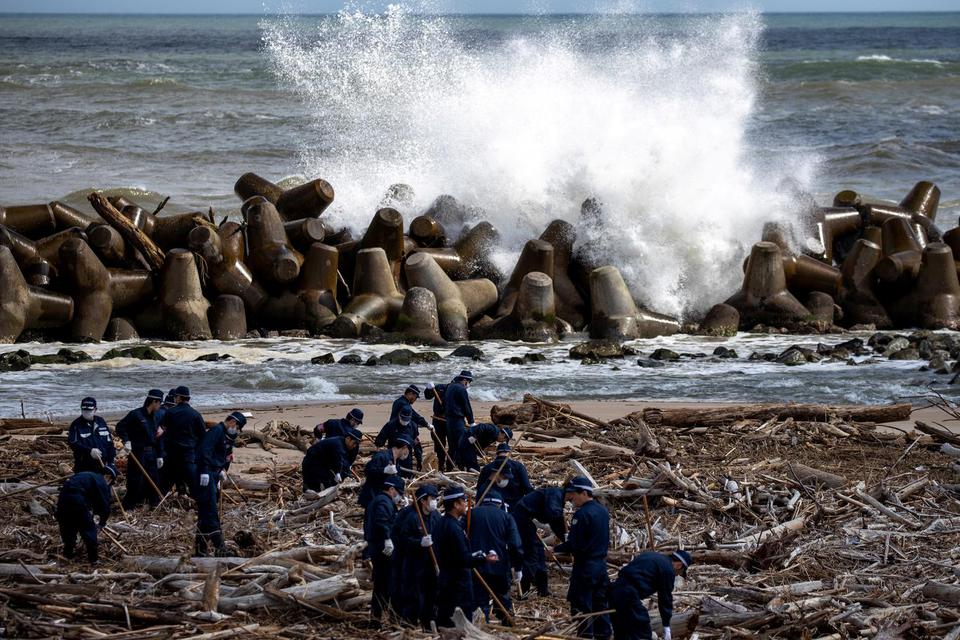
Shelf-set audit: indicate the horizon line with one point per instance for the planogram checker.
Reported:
(478, 15)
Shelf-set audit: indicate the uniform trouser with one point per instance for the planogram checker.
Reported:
(208, 515)
(588, 594)
(382, 577)
(138, 487)
(74, 517)
(500, 585)
(324, 479)
(453, 591)
(468, 454)
(534, 559)
(455, 430)
(180, 469)
(439, 435)
(85, 463)
(630, 620)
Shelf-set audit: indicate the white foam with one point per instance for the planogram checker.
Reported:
(877, 57)
(529, 127)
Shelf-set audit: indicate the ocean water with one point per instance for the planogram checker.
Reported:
(685, 126)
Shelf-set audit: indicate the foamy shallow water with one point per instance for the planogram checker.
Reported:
(279, 371)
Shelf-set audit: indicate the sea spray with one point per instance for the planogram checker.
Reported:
(651, 119)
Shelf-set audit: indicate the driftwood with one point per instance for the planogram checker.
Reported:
(810, 476)
(140, 241)
(319, 591)
(689, 417)
(937, 432)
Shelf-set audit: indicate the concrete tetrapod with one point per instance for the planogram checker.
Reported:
(228, 318)
(419, 320)
(269, 253)
(308, 200)
(36, 269)
(901, 259)
(386, 231)
(67, 217)
(934, 301)
(474, 248)
(25, 307)
(304, 232)
(168, 232)
(537, 255)
(120, 329)
(857, 298)
(182, 305)
(923, 200)
(764, 298)
(721, 320)
(312, 304)
(376, 300)
(457, 302)
(109, 245)
(428, 232)
(614, 314)
(570, 305)
(831, 223)
(223, 252)
(31, 220)
(534, 316)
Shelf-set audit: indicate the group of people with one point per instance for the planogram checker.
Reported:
(168, 447)
(431, 551)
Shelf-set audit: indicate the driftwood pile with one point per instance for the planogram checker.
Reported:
(816, 524)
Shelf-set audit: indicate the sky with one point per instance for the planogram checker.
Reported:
(470, 6)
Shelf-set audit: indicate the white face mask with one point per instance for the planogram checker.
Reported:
(396, 499)
(432, 505)
(404, 422)
(87, 414)
(502, 483)
(232, 431)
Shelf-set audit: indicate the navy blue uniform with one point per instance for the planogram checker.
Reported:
(414, 576)
(82, 496)
(647, 574)
(493, 529)
(486, 434)
(402, 402)
(183, 428)
(324, 460)
(588, 542)
(439, 433)
(213, 457)
(393, 429)
(84, 436)
(339, 428)
(458, 414)
(455, 582)
(544, 505)
(374, 475)
(377, 523)
(140, 429)
(517, 486)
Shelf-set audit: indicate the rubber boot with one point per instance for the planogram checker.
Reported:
(200, 548)
(525, 584)
(219, 549)
(93, 553)
(541, 581)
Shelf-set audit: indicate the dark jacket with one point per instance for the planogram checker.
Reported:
(325, 457)
(518, 486)
(546, 506)
(183, 427)
(91, 490)
(393, 429)
(588, 541)
(453, 553)
(400, 403)
(374, 475)
(438, 393)
(140, 430)
(337, 428)
(84, 436)
(214, 449)
(456, 404)
(407, 531)
(485, 433)
(377, 523)
(493, 529)
(651, 573)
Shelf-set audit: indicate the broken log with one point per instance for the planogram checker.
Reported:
(688, 418)
(140, 241)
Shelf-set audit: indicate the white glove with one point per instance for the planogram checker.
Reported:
(390, 469)
(429, 386)
(159, 463)
(204, 479)
(96, 454)
(388, 548)
(426, 541)
(337, 478)
(431, 428)
(127, 447)
(492, 556)
(223, 474)
(405, 502)
(666, 633)
(472, 440)
(517, 576)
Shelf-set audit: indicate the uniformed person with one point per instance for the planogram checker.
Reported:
(588, 542)
(378, 519)
(457, 412)
(183, 428)
(456, 560)
(403, 424)
(647, 574)
(384, 463)
(327, 461)
(474, 440)
(415, 577)
(438, 432)
(542, 505)
(83, 496)
(90, 440)
(213, 459)
(493, 530)
(339, 427)
(138, 432)
(512, 481)
(169, 402)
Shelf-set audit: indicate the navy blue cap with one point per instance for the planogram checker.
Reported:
(427, 490)
(406, 411)
(453, 492)
(110, 470)
(171, 397)
(578, 483)
(239, 417)
(504, 448)
(465, 375)
(356, 414)
(155, 394)
(508, 432)
(401, 441)
(393, 481)
(355, 434)
(88, 403)
(684, 558)
(413, 389)
(182, 392)
(493, 496)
